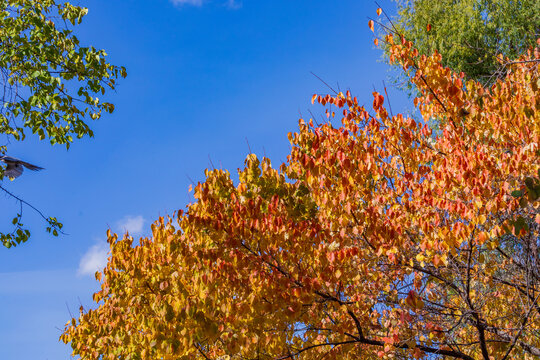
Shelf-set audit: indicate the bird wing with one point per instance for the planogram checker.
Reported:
(9, 159)
(15, 168)
(14, 161)
(30, 166)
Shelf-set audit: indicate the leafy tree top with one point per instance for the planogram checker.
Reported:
(50, 83)
(377, 239)
(469, 34)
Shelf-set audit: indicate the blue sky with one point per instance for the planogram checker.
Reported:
(202, 77)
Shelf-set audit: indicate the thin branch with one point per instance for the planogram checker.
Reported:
(521, 62)
(516, 337)
(249, 147)
(201, 352)
(324, 82)
(32, 207)
(293, 355)
(388, 98)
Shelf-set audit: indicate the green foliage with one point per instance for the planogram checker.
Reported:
(470, 33)
(50, 83)
(17, 236)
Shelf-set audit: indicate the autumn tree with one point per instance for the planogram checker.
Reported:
(469, 34)
(50, 83)
(379, 238)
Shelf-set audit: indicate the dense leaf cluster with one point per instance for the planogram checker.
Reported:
(49, 83)
(469, 34)
(377, 239)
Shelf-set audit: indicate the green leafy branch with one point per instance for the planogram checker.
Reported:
(20, 234)
(50, 83)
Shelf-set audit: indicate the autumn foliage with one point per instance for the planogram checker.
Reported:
(381, 238)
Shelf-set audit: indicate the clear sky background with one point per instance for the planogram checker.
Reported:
(202, 77)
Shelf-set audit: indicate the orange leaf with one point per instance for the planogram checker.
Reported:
(379, 11)
(428, 27)
(376, 42)
(370, 24)
(482, 237)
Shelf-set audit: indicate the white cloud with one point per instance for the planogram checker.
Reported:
(234, 4)
(94, 259)
(131, 224)
(231, 4)
(187, 2)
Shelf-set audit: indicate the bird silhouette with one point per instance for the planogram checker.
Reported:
(15, 166)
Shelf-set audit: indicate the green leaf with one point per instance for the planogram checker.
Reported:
(517, 193)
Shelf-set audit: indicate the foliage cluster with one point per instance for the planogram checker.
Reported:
(378, 238)
(469, 34)
(49, 82)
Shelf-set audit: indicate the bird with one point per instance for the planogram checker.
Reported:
(14, 166)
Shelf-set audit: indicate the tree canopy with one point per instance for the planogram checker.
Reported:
(469, 34)
(50, 83)
(380, 237)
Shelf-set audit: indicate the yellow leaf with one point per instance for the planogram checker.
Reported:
(481, 219)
